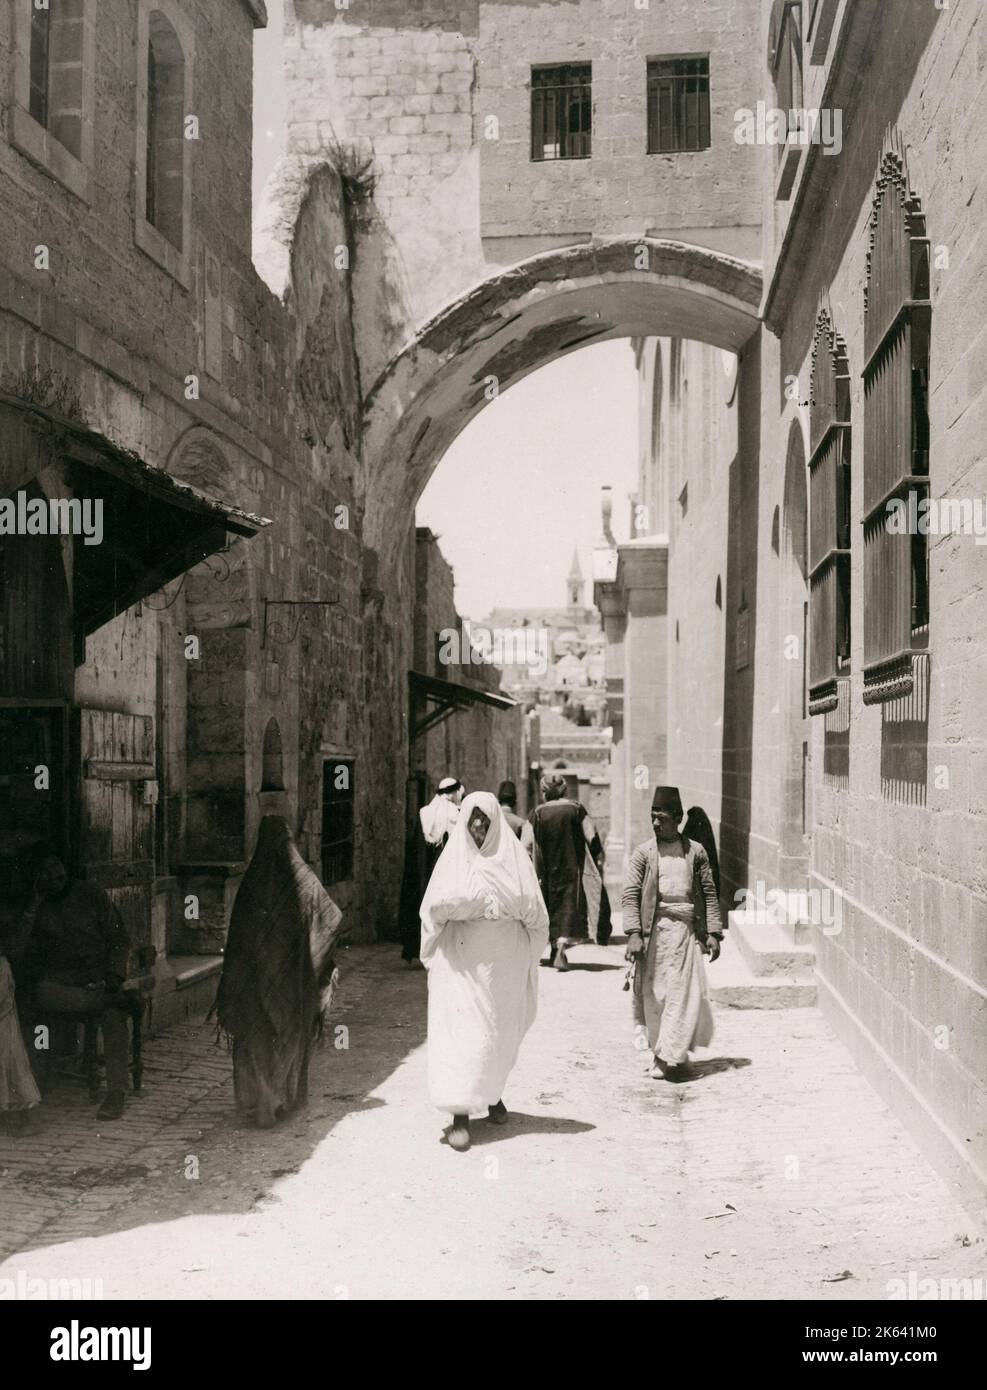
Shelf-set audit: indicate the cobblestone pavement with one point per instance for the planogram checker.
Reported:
(773, 1172)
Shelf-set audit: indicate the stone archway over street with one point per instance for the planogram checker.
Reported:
(522, 319)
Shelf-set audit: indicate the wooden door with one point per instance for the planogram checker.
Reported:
(116, 817)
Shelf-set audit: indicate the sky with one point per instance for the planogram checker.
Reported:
(520, 488)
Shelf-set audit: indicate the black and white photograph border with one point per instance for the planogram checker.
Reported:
(493, 736)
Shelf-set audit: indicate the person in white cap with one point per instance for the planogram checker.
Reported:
(435, 824)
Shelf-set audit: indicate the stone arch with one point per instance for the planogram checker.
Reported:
(523, 319)
(197, 458)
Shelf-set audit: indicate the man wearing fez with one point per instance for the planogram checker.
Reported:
(672, 918)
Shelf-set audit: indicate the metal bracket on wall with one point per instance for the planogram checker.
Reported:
(282, 634)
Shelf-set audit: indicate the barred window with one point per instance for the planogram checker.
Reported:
(338, 823)
(678, 105)
(829, 516)
(562, 112)
(165, 200)
(897, 326)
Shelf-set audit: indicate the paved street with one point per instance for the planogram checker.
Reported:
(773, 1172)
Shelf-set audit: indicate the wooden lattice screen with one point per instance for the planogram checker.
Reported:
(829, 515)
(897, 321)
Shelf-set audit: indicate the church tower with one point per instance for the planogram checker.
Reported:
(576, 582)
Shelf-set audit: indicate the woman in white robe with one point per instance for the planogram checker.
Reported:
(484, 927)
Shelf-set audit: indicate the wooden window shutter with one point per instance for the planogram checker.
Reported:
(829, 493)
(897, 314)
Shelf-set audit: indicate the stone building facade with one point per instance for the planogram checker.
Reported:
(823, 673)
(434, 235)
(166, 676)
(887, 768)
(482, 740)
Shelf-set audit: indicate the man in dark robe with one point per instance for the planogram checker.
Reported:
(557, 834)
(76, 949)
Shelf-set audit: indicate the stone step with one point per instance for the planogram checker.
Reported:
(787, 911)
(733, 985)
(768, 947)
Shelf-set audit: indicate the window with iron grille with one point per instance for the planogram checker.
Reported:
(338, 824)
(678, 105)
(562, 112)
(39, 60)
(897, 326)
(829, 516)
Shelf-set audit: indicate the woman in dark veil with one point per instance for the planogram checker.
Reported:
(698, 828)
(278, 975)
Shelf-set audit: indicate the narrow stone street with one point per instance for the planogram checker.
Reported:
(773, 1172)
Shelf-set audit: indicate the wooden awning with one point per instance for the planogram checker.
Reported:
(154, 527)
(446, 697)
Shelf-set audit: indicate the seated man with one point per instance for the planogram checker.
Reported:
(76, 949)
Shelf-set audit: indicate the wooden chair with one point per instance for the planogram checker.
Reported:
(132, 1002)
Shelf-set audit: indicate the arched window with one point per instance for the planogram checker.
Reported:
(56, 71)
(897, 325)
(829, 515)
(165, 191)
(272, 775)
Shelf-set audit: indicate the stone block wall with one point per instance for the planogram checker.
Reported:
(272, 426)
(481, 746)
(710, 196)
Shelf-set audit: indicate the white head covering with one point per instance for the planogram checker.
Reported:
(494, 881)
(438, 818)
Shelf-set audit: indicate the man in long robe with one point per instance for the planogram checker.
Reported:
(672, 919)
(557, 836)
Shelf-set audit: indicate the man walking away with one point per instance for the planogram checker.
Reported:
(557, 835)
(507, 797)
